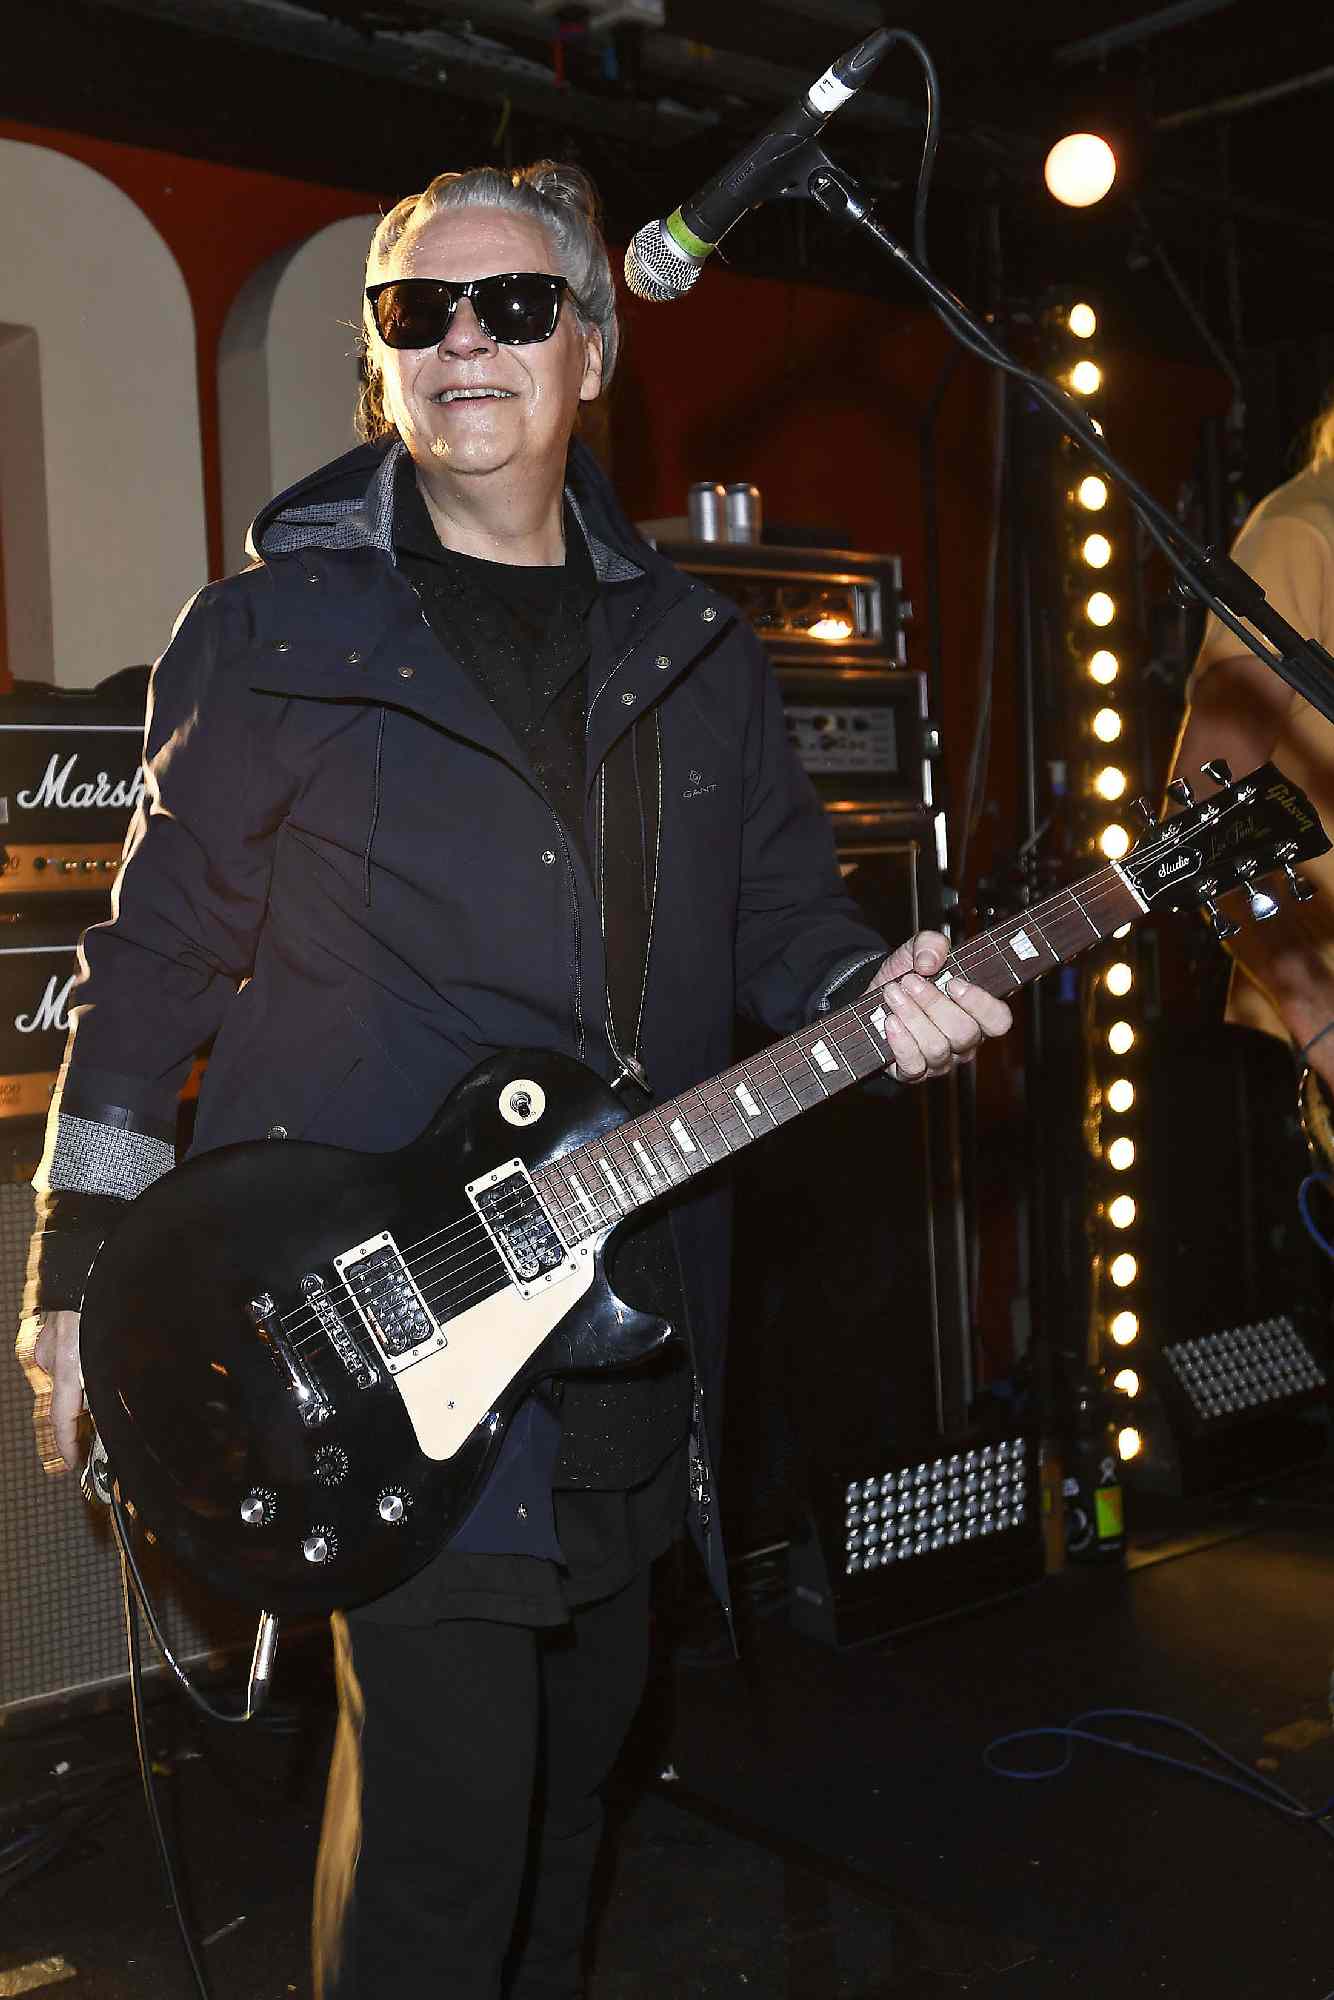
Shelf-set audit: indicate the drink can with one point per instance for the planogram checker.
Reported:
(706, 508)
(743, 512)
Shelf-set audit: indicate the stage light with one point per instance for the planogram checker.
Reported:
(1083, 323)
(1104, 667)
(913, 1510)
(829, 628)
(1127, 1381)
(1121, 1154)
(1120, 1038)
(1110, 782)
(1129, 1443)
(1114, 842)
(1121, 1212)
(1245, 1367)
(1092, 493)
(1123, 1270)
(1100, 609)
(1097, 551)
(1124, 1329)
(1120, 1095)
(1120, 978)
(1086, 378)
(1079, 169)
(1107, 725)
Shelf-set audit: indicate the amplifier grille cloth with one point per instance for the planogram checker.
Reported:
(61, 1627)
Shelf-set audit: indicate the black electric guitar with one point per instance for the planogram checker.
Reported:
(301, 1360)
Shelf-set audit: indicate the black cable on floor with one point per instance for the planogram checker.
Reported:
(1252, 1784)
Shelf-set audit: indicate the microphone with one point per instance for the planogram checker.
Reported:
(665, 258)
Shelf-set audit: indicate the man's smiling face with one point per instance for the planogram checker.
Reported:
(470, 407)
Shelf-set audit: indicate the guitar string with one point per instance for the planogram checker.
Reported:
(971, 953)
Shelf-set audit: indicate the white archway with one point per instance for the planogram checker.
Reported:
(287, 370)
(101, 483)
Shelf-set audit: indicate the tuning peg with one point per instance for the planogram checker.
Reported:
(1302, 891)
(1224, 926)
(1181, 791)
(1218, 769)
(1263, 905)
(1145, 811)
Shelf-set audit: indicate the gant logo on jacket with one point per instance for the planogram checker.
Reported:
(697, 789)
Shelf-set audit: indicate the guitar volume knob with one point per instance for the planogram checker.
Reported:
(259, 1507)
(393, 1506)
(320, 1545)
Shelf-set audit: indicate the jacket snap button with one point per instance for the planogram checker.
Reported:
(628, 700)
(281, 646)
(664, 661)
(709, 613)
(406, 673)
(277, 1131)
(549, 857)
(354, 659)
(521, 1511)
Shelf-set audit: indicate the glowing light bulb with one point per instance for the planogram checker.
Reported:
(1120, 1095)
(1107, 725)
(1123, 1270)
(1121, 1212)
(1121, 1154)
(1110, 783)
(1079, 169)
(1097, 551)
(1092, 493)
(1104, 667)
(1086, 378)
(1129, 1443)
(1119, 978)
(1114, 842)
(1124, 1328)
(1120, 1038)
(1082, 322)
(1100, 609)
(829, 628)
(1127, 1381)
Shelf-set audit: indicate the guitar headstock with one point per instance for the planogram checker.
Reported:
(1246, 830)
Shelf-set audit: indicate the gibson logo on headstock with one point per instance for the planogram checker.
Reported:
(1293, 804)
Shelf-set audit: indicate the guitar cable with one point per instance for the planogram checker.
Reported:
(134, 1593)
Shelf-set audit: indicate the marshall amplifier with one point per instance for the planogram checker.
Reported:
(70, 779)
(832, 623)
(38, 955)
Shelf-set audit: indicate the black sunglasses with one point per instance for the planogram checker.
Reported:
(513, 309)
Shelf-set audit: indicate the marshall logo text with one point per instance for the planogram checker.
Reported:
(56, 788)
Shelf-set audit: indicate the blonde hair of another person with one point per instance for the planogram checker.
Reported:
(561, 199)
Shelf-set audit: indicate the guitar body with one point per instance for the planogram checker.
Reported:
(272, 1414)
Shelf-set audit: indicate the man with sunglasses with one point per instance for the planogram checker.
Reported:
(459, 764)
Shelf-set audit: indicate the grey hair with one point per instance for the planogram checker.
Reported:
(561, 199)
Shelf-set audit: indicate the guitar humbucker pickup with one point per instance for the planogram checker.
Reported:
(520, 1228)
(387, 1297)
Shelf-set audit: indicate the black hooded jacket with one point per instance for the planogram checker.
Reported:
(346, 873)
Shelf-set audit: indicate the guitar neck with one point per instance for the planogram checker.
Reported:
(598, 1183)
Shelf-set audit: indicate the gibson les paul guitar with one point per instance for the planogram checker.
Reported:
(301, 1360)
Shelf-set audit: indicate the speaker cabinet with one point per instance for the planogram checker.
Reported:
(850, 1338)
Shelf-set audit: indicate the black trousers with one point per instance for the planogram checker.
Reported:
(464, 1811)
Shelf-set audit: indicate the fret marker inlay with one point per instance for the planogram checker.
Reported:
(1022, 945)
(746, 1101)
(681, 1136)
(641, 1153)
(820, 1054)
(879, 1021)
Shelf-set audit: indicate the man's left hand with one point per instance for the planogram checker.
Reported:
(929, 1032)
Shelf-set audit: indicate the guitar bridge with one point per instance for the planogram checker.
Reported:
(316, 1294)
(311, 1401)
(520, 1228)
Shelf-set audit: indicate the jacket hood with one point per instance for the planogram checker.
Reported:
(349, 504)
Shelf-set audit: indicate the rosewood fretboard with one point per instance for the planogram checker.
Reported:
(596, 1184)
